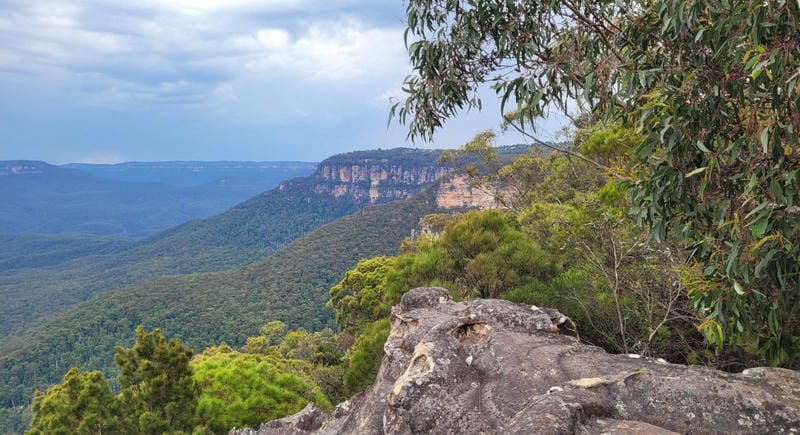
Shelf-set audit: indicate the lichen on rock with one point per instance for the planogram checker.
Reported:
(492, 366)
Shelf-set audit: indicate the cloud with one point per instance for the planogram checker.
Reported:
(204, 79)
(152, 55)
(338, 51)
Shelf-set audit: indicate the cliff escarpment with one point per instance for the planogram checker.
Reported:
(380, 175)
(456, 192)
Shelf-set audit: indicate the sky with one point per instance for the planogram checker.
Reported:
(107, 81)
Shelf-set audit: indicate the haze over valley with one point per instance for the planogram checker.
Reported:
(384, 216)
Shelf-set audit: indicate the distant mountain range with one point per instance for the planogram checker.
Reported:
(130, 199)
(67, 299)
(244, 234)
(69, 292)
(204, 309)
(191, 173)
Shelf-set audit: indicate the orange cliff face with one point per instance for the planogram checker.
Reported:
(457, 192)
(386, 175)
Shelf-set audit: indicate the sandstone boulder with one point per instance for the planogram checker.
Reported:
(492, 366)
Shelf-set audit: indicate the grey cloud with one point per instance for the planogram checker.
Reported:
(131, 55)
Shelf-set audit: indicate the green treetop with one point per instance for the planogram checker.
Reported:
(157, 384)
(711, 86)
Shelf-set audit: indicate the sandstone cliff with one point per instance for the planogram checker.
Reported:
(387, 175)
(456, 192)
(380, 176)
(491, 366)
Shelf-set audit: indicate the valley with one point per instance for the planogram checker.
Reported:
(127, 201)
(72, 298)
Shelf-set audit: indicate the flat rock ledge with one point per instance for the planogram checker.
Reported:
(495, 367)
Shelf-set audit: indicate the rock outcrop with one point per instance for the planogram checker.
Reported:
(458, 192)
(380, 175)
(491, 366)
(387, 175)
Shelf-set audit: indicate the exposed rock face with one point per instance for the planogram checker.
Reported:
(457, 192)
(378, 178)
(491, 366)
(387, 175)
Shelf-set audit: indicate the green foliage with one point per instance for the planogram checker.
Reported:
(323, 351)
(164, 392)
(364, 359)
(243, 389)
(15, 420)
(37, 250)
(479, 254)
(205, 309)
(82, 403)
(359, 297)
(488, 255)
(712, 90)
(728, 161)
(621, 289)
(274, 331)
(608, 143)
(158, 391)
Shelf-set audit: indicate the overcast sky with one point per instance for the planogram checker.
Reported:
(144, 80)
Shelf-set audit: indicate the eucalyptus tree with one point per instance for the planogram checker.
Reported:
(712, 86)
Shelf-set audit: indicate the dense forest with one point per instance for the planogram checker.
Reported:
(401, 157)
(564, 239)
(666, 226)
(245, 233)
(200, 308)
(205, 309)
(32, 251)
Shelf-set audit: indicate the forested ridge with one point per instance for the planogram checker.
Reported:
(203, 308)
(666, 226)
(245, 233)
(27, 251)
(402, 157)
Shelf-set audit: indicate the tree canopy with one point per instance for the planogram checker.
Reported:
(711, 86)
(158, 393)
